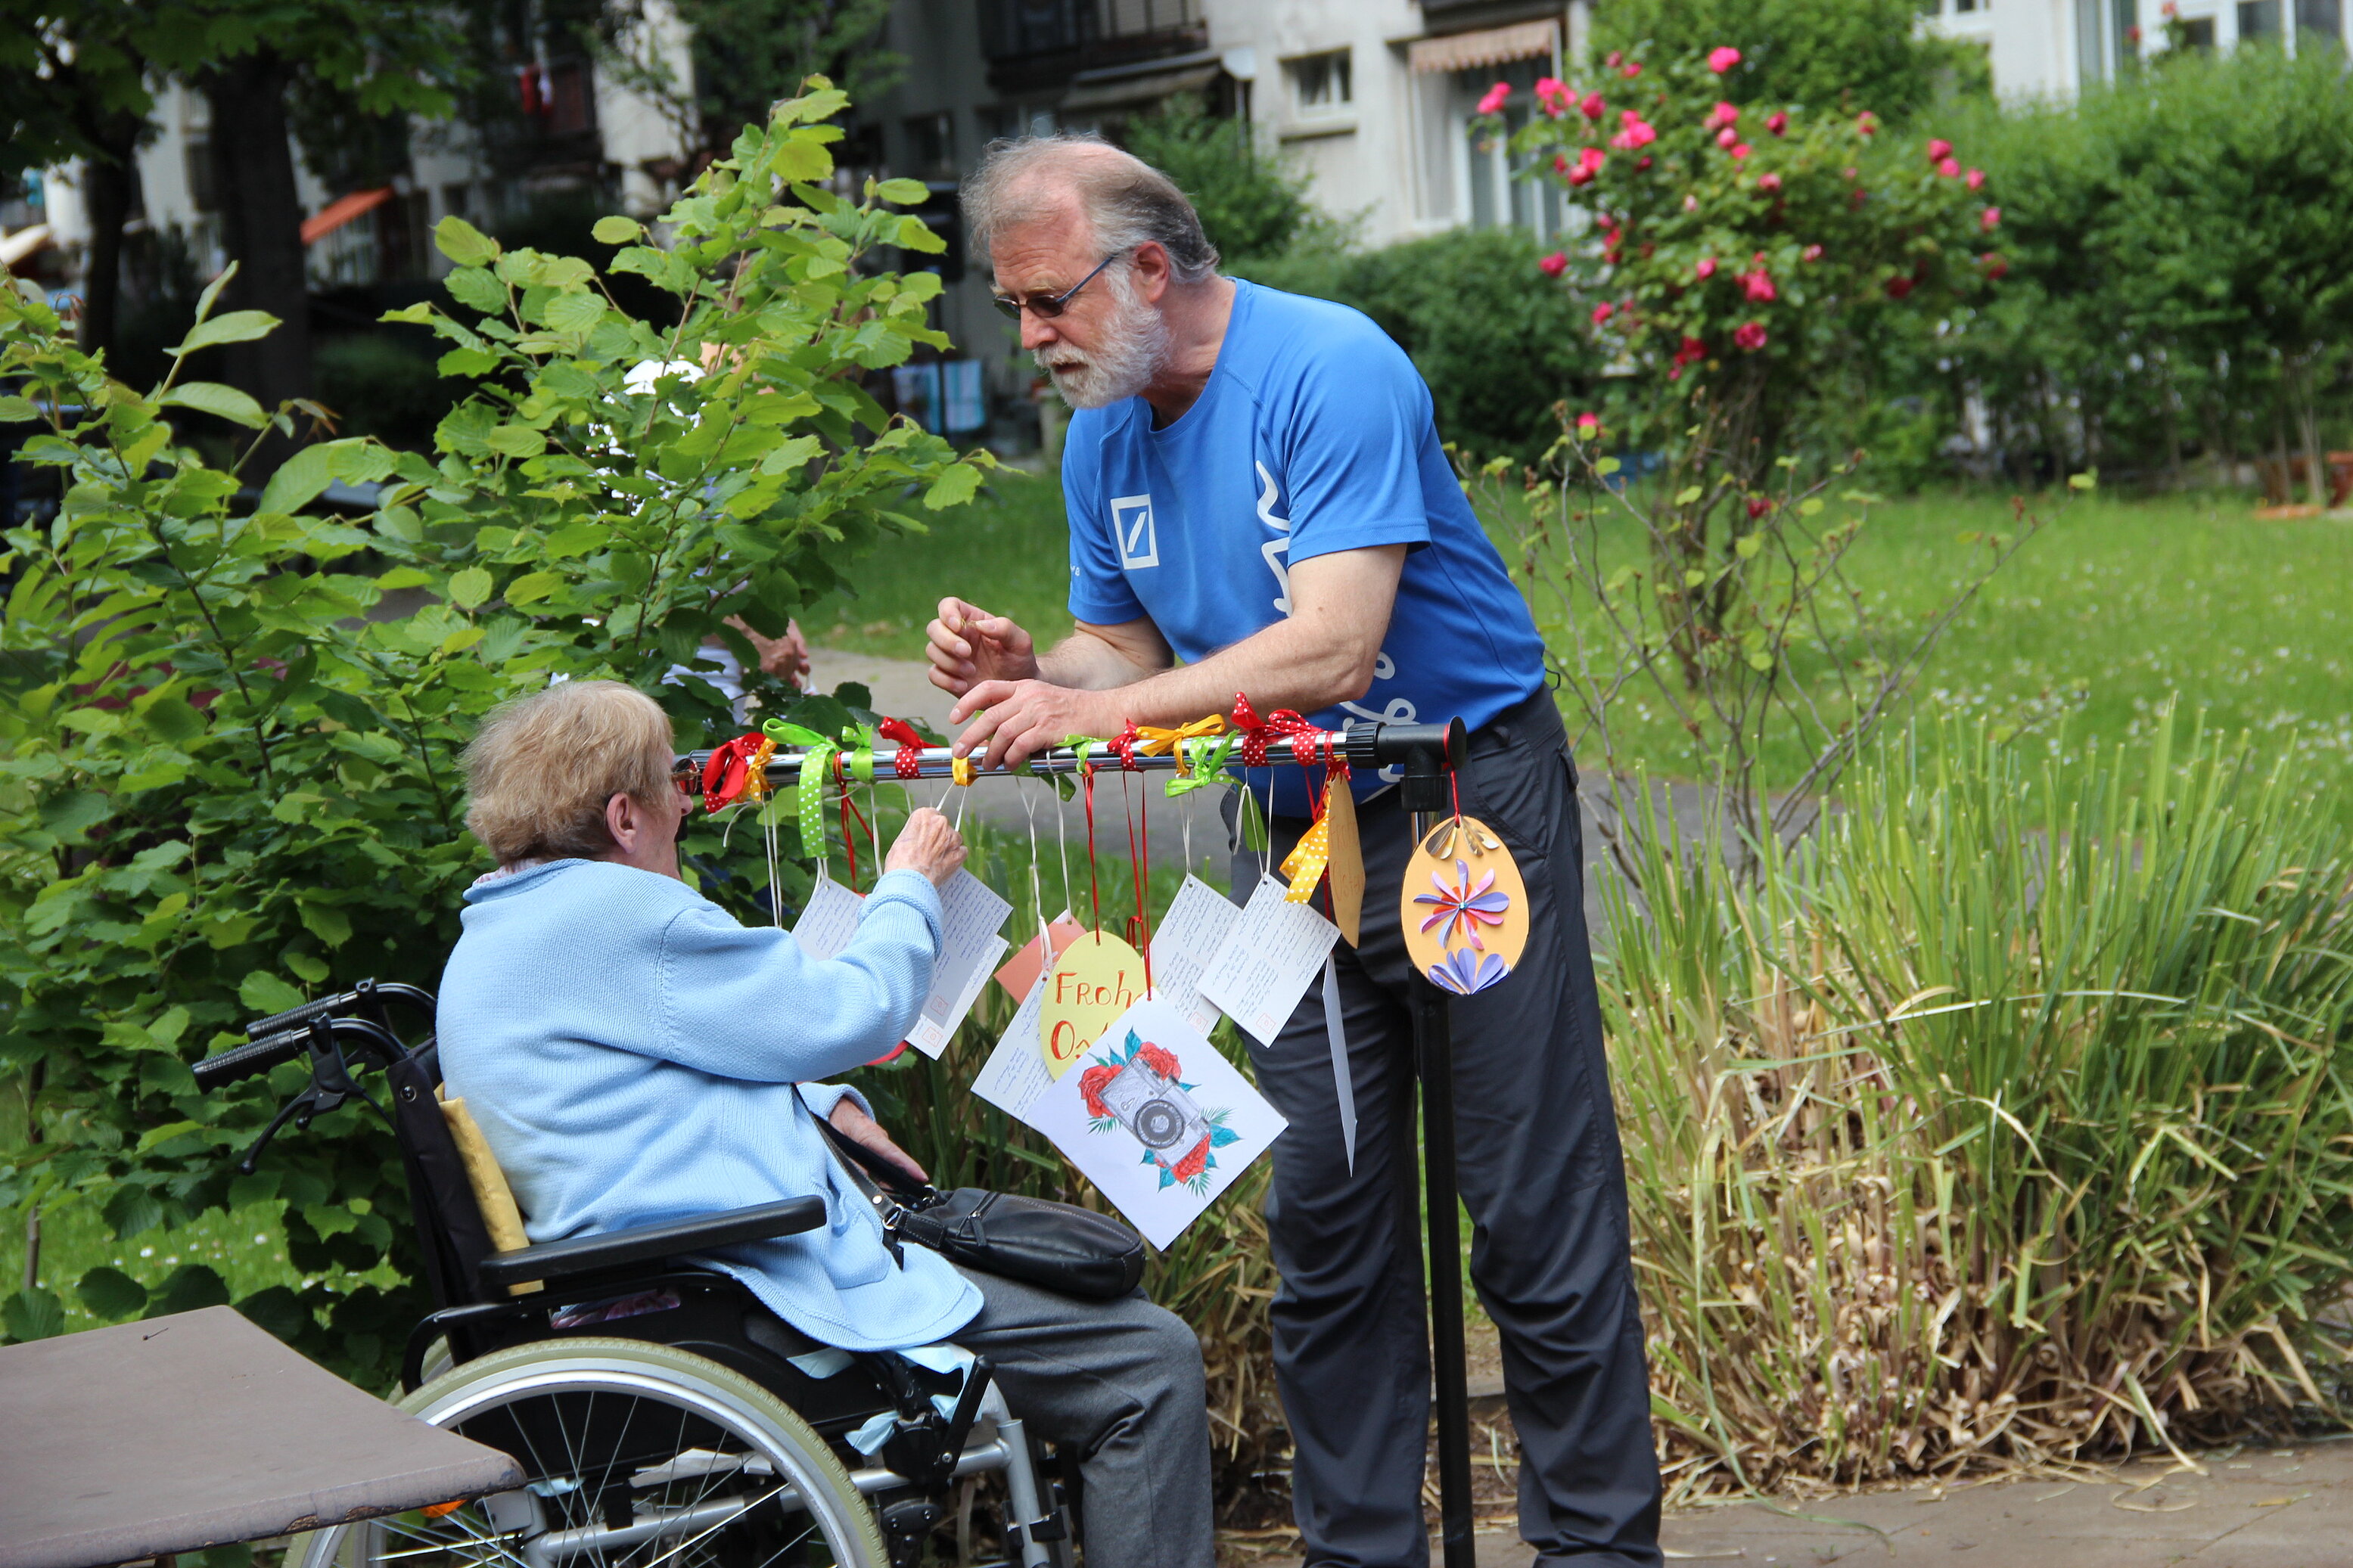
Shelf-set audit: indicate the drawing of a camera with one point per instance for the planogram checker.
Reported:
(1161, 1115)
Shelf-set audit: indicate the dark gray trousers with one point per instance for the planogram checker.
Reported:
(1541, 1175)
(1120, 1382)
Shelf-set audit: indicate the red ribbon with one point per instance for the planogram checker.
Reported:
(1306, 741)
(1124, 745)
(727, 771)
(909, 762)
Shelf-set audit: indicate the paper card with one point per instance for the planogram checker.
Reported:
(831, 919)
(1015, 1074)
(1188, 936)
(1268, 960)
(1156, 1119)
(1093, 982)
(1029, 959)
(969, 949)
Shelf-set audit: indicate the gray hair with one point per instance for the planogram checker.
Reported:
(1126, 201)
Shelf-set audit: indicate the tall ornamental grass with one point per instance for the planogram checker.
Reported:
(2008, 1122)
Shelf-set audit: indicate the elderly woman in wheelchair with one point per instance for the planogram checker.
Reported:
(720, 1384)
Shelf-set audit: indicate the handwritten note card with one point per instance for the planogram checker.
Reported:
(1268, 960)
(1015, 1074)
(831, 919)
(1189, 935)
(969, 949)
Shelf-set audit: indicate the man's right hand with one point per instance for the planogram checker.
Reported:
(969, 646)
(927, 844)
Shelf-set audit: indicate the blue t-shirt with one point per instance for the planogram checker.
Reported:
(1313, 435)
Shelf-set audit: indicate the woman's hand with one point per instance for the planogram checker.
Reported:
(927, 844)
(867, 1133)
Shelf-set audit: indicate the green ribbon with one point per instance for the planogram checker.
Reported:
(1207, 760)
(861, 739)
(786, 734)
(809, 804)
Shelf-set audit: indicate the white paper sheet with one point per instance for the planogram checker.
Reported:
(1157, 1119)
(1187, 937)
(1268, 960)
(831, 919)
(969, 950)
(1015, 1074)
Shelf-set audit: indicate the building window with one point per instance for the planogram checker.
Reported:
(1501, 196)
(2198, 33)
(570, 103)
(930, 146)
(2326, 18)
(1321, 84)
(2259, 19)
(197, 160)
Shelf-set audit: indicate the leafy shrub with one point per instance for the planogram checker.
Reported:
(217, 771)
(1824, 54)
(1497, 353)
(382, 386)
(1253, 200)
(2007, 1124)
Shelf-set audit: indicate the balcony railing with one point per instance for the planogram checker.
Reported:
(1037, 43)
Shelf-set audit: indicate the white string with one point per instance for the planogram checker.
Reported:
(1037, 892)
(1187, 800)
(1061, 841)
(768, 834)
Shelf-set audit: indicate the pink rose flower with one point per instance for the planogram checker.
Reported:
(1812, 253)
(1554, 95)
(1612, 59)
(1592, 107)
(1603, 311)
(1898, 287)
(1497, 96)
(1995, 266)
(1740, 148)
(1777, 123)
(1691, 204)
(1724, 114)
(1721, 60)
(1643, 161)
(1758, 286)
(1706, 268)
(1749, 336)
(1939, 150)
(1989, 219)
(1588, 165)
(1757, 507)
(1768, 182)
(1589, 426)
(1633, 68)
(1949, 169)
(1974, 179)
(1727, 137)
(1866, 123)
(1637, 132)
(1556, 264)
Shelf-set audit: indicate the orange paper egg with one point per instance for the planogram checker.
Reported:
(1464, 909)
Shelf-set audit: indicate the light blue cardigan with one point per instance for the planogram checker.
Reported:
(633, 1055)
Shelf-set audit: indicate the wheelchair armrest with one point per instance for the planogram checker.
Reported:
(651, 1243)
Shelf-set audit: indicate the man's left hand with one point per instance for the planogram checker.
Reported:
(865, 1132)
(1018, 719)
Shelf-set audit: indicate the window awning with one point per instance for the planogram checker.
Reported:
(1133, 90)
(341, 211)
(23, 243)
(1488, 46)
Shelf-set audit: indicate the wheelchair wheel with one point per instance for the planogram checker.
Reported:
(634, 1455)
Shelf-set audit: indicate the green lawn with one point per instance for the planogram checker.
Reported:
(2117, 605)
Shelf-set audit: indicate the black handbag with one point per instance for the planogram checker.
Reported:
(1057, 1246)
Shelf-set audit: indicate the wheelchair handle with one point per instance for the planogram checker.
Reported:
(366, 994)
(241, 1062)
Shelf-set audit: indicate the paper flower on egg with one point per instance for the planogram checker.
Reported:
(1461, 907)
(1463, 971)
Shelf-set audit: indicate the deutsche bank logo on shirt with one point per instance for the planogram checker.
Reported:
(1139, 542)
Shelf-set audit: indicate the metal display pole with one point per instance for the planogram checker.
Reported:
(1428, 755)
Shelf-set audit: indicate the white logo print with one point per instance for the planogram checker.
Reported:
(1139, 539)
(1276, 547)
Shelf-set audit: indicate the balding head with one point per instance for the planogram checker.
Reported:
(1123, 201)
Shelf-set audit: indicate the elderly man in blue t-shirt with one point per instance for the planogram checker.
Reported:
(1258, 504)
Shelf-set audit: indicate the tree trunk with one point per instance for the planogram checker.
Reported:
(261, 225)
(110, 181)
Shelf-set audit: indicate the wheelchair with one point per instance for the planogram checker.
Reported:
(660, 1414)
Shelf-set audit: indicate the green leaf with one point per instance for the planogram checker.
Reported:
(903, 193)
(953, 488)
(34, 1314)
(469, 588)
(2084, 481)
(516, 441)
(533, 586)
(328, 1220)
(468, 362)
(112, 1294)
(237, 327)
(915, 235)
(616, 230)
(221, 401)
(191, 1287)
(478, 287)
(265, 992)
(327, 923)
(1749, 545)
(1688, 494)
(575, 539)
(464, 244)
(573, 312)
(155, 1137)
(15, 410)
(1810, 506)
(299, 480)
(132, 1211)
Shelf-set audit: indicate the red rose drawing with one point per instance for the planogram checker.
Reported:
(1159, 1061)
(1091, 1087)
(1193, 1164)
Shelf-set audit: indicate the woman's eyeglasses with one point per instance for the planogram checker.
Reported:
(1046, 307)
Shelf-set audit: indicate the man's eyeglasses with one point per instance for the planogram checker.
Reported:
(1046, 307)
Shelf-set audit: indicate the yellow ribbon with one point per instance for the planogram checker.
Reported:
(1304, 864)
(963, 770)
(1153, 740)
(755, 775)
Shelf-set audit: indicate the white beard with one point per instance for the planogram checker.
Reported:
(1131, 350)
